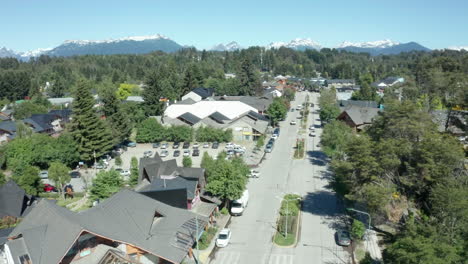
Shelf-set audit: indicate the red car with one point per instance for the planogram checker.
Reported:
(49, 188)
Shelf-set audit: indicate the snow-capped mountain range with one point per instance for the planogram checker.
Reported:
(151, 43)
(231, 46)
(370, 44)
(297, 44)
(458, 48)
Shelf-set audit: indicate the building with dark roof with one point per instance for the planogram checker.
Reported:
(14, 201)
(339, 83)
(358, 117)
(7, 131)
(199, 94)
(135, 227)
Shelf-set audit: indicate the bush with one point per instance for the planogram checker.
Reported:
(118, 161)
(357, 229)
(209, 134)
(206, 237)
(224, 211)
(187, 162)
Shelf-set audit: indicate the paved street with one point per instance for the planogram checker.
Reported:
(251, 240)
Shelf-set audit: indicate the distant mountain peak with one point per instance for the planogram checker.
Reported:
(132, 38)
(297, 43)
(370, 44)
(231, 46)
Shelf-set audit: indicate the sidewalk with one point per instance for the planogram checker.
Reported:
(221, 222)
(372, 245)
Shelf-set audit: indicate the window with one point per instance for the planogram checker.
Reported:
(25, 259)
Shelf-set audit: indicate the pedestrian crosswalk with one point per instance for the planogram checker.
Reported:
(231, 257)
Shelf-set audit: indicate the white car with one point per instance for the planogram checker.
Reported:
(311, 127)
(206, 145)
(186, 153)
(223, 238)
(312, 134)
(293, 123)
(229, 145)
(195, 145)
(164, 153)
(125, 173)
(44, 174)
(274, 136)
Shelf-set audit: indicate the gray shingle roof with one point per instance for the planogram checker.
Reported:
(346, 103)
(218, 117)
(128, 217)
(362, 115)
(189, 118)
(13, 199)
(9, 126)
(169, 184)
(203, 92)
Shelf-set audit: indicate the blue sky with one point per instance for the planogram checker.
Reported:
(27, 25)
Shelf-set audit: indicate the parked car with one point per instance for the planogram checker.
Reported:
(147, 153)
(186, 153)
(186, 145)
(100, 166)
(312, 134)
(175, 145)
(238, 206)
(206, 145)
(164, 153)
(224, 237)
(75, 174)
(215, 145)
(49, 188)
(293, 123)
(292, 109)
(343, 238)
(271, 141)
(229, 145)
(230, 152)
(274, 136)
(131, 144)
(156, 144)
(176, 153)
(312, 127)
(164, 145)
(44, 174)
(196, 145)
(123, 173)
(196, 153)
(269, 148)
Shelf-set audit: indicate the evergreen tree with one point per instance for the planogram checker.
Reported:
(133, 172)
(115, 116)
(90, 133)
(250, 81)
(192, 79)
(57, 89)
(153, 92)
(105, 184)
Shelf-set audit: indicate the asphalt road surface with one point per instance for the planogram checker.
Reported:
(252, 232)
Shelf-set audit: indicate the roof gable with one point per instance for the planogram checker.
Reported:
(203, 92)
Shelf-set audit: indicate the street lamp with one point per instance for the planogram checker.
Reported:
(352, 209)
(287, 215)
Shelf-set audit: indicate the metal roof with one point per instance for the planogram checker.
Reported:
(189, 118)
(218, 117)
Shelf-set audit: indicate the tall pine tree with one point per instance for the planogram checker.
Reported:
(192, 79)
(250, 81)
(90, 132)
(115, 116)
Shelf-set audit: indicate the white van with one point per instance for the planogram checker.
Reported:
(238, 206)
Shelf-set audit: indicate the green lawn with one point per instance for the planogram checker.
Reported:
(280, 240)
(64, 202)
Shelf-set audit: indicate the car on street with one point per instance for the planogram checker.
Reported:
(164, 153)
(131, 144)
(175, 145)
(223, 238)
(230, 152)
(269, 148)
(292, 109)
(196, 153)
(122, 172)
(164, 146)
(274, 136)
(100, 166)
(49, 188)
(186, 145)
(215, 145)
(186, 153)
(206, 145)
(312, 127)
(271, 141)
(156, 144)
(229, 145)
(75, 174)
(147, 153)
(312, 134)
(196, 145)
(44, 174)
(176, 153)
(254, 173)
(343, 238)
(293, 123)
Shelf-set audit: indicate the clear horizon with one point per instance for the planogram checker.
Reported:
(47, 24)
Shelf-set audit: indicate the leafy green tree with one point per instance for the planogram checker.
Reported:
(207, 163)
(118, 161)
(187, 162)
(59, 174)
(115, 116)
(22, 130)
(150, 130)
(105, 184)
(329, 113)
(27, 108)
(133, 172)
(90, 133)
(260, 142)
(179, 133)
(28, 179)
(357, 229)
(277, 111)
(334, 138)
(289, 94)
(125, 90)
(227, 179)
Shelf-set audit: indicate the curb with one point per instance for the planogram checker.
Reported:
(297, 238)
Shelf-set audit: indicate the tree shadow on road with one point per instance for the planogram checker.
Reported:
(328, 206)
(317, 158)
